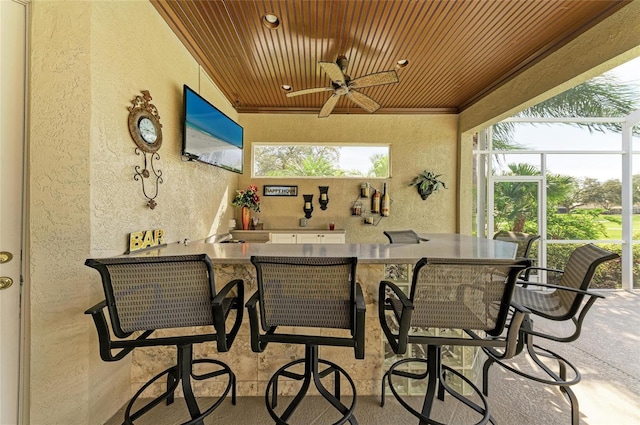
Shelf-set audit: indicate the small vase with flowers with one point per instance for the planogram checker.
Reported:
(249, 200)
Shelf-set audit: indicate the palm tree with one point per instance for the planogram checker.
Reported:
(379, 165)
(601, 96)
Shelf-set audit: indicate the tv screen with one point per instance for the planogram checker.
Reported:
(209, 135)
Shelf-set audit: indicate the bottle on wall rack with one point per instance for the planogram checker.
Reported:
(375, 202)
(364, 190)
(385, 202)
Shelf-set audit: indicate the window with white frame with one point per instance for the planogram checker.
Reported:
(326, 160)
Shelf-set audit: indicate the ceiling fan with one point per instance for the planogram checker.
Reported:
(343, 85)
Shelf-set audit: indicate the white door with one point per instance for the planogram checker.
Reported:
(12, 122)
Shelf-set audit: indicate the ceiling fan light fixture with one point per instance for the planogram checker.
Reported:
(402, 63)
(271, 21)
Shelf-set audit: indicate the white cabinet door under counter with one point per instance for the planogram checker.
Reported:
(308, 236)
(283, 238)
(327, 237)
(290, 236)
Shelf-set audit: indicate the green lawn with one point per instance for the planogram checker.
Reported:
(613, 224)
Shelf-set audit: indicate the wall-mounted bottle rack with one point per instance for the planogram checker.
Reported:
(368, 205)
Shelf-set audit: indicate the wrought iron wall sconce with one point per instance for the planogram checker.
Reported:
(154, 177)
(324, 197)
(308, 206)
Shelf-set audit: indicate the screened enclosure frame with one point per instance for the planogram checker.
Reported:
(486, 180)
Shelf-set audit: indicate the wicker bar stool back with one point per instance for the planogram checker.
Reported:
(308, 293)
(145, 294)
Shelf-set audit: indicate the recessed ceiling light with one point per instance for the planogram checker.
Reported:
(402, 63)
(270, 21)
(286, 87)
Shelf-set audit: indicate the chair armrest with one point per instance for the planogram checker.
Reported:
(254, 323)
(222, 306)
(361, 309)
(519, 307)
(402, 297)
(528, 269)
(397, 341)
(566, 288)
(513, 332)
(360, 304)
(239, 283)
(96, 308)
(251, 303)
(104, 334)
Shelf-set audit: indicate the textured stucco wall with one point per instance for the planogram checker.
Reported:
(88, 61)
(59, 205)
(418, 142)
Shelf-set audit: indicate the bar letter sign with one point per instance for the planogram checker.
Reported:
(145, 239)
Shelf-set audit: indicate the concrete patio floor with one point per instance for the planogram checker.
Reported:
(607, 355)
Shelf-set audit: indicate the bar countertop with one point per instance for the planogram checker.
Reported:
(439, 245)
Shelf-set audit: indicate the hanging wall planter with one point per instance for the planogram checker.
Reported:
(426, 183)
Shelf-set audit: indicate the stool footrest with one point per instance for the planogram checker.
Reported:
(311, 374)
(436, 386)
(181, 374)
(559, 379)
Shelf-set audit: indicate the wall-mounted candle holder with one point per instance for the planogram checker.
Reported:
(308, 206)
(324, 197)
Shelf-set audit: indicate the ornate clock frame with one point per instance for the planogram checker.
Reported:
(147, 141)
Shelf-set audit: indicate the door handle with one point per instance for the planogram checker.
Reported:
(5, 257)
(5, 282)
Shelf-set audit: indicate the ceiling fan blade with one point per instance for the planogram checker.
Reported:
(376, 79)
(328, 106)
(363, 101)
(333, 71)
(308, 91)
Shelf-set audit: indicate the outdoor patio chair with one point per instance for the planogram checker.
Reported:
(145, 294)
(525, 243)
(568, 301)
(451, 303)
(403, 236)
(308, 293)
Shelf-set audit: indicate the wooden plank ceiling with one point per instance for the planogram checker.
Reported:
(457, 51)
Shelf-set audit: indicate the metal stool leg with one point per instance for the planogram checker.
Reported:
(311, 373)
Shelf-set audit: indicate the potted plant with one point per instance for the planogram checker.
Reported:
(426, 183)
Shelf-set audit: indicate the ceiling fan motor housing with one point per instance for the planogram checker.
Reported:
(343, 63)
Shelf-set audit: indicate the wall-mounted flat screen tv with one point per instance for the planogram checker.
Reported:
(209, 135)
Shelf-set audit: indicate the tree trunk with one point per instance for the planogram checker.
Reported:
(518, 223)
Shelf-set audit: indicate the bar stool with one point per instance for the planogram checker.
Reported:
(308, 292)
(469, 297)
(568, 301)
(403, 236)
(143, 294)
(525, 243)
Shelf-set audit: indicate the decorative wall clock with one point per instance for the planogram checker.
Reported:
(144, 123)
(146, 131)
